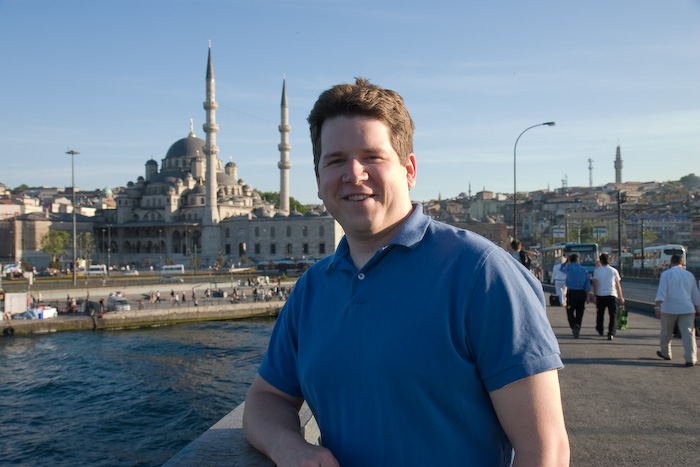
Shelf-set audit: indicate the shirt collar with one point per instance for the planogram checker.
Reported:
(409, 235)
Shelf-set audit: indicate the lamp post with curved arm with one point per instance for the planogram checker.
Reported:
(515, 191)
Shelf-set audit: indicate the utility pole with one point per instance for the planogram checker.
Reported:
(75, 258)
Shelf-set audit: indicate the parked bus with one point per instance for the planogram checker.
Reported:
(587, 252)
(94, 270)
(172, 269)
(657, 256)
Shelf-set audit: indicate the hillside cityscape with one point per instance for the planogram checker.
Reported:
(651, 213)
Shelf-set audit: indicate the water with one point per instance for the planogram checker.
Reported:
(122, 398)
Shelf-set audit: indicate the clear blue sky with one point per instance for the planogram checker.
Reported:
(118, 81)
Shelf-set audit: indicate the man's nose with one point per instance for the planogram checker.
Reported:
(355, 172)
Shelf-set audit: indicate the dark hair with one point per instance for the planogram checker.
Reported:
(363, 99)
(515, 244)
(604, 259)
(573, 258)
(676, 259)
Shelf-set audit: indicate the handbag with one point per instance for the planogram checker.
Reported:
(622, 317)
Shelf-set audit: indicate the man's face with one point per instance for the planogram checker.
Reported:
(360, 179)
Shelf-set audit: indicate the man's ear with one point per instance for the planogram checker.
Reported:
(411, 170)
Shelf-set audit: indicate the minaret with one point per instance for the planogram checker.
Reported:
(618, 165)
(284, 147)
(211, 211)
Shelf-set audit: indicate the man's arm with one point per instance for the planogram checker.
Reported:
(530, 412)
(619, 292)
(271, 425)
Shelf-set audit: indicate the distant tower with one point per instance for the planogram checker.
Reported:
(211, 211)
(470, 189)
(590, 173)
(284, 148)
(565, 182)
(618, 165)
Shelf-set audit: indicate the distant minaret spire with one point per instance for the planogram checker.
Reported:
(590, 173)
(618, 165)
(284, 148)
(211, 212)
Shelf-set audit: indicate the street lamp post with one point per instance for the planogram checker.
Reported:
(72, 166)
(515, 191)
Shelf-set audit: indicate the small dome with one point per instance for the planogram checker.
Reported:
(186, 147)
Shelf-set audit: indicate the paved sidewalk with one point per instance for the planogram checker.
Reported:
(623, 405)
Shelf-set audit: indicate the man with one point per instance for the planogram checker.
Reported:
(606, 292)
(517, 251)
(578, 283)
(460, 373)
(677, 301)
(559, 280)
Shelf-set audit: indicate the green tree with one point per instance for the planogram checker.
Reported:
(55, 243)
(85, 244)
(274, 198)
(649, 236)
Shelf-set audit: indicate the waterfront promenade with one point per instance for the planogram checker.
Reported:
(623, 405)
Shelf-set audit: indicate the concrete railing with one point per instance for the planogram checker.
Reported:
(223, 445)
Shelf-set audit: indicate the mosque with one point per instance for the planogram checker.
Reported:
(192, 211)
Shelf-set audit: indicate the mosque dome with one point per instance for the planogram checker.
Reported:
(186, 147)
(106, 191)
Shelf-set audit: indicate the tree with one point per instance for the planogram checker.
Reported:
(649, 236)
(86, 246)
(274, 198)
(690, 180)
(55, 243)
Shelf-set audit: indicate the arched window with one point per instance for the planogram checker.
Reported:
(257, 231)
(289, 231)
(304, 231)
(272, 232)
(321, 230)
(289, 249)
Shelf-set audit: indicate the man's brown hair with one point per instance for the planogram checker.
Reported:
(368, 100)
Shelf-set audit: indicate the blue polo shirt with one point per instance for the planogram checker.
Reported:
(396, 360)
(577, 277)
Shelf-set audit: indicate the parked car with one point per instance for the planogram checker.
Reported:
(117, 303)
(130, 272)
(171, 279)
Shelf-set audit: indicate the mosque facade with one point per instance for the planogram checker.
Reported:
(190, 210)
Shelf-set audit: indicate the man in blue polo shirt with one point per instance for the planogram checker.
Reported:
(578, 283)
(458, 371)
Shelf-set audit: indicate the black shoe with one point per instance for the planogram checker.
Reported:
(658, 352)
(611, 337)
(600, 331)
(577, 330)
(689, 364)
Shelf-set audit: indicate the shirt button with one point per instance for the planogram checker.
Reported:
(361, 276)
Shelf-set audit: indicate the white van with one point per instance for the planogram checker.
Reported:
(172, 269)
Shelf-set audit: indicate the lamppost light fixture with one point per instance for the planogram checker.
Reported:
(515, 191)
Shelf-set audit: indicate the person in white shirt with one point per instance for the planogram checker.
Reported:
(559, 281)
(606, 291)
(677, 302)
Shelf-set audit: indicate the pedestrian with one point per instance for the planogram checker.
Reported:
(519, 254)
(606, 293)
(559, 280)
(461, 372)
(176, 298)
(677, 302)
(158, 296)
(578, 284)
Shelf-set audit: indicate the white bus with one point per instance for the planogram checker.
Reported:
(94, 270)
(657, 256)
(172, 269)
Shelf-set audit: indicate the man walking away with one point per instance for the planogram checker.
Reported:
(606, 292)
(559, 281)
(578, 283)
(677, 302)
